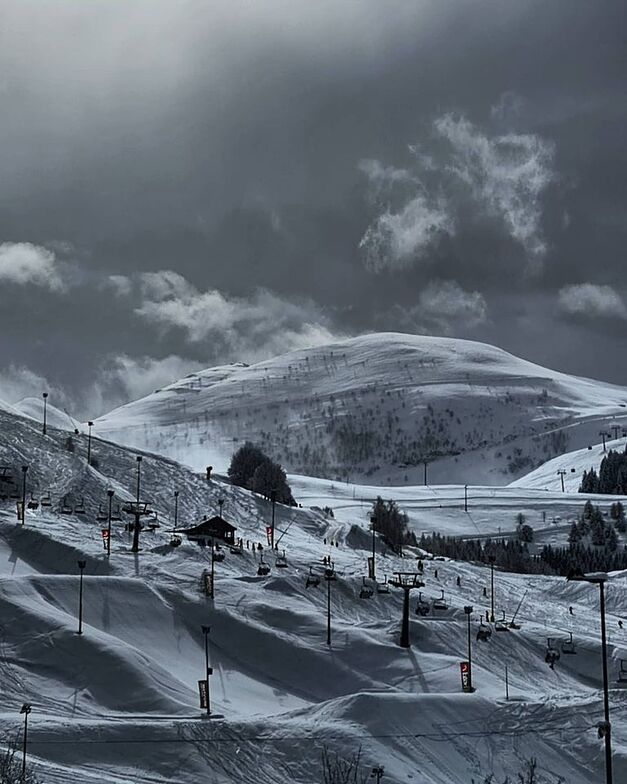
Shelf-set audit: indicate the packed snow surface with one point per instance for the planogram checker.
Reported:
(119, 703)
(373, 409)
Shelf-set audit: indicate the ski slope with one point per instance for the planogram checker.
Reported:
(372, 409)
(120, 704)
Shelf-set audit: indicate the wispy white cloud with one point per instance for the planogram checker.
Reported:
(592, 301)
(446, 302)
(23, 263)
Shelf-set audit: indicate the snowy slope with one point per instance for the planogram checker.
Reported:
(119, 703)
(55, 417)
(373, 408)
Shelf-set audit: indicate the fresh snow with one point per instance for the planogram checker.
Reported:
(119, 703)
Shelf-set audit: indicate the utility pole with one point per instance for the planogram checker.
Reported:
(377, 773)
(468, 611)
(25, 709)
(81, 566)
(603, 434)
(273, 501)
(90, 424)
(491, 558)
(605, 727)
(465, 498)
(208, 669)
(424, 462)
(562, 473)
(135, 547)
(24, 472)
(329, 576)
(506, 683)
(110, 496)
(213, 562)
(45, 397)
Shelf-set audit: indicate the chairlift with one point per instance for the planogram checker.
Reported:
(218, 555)
(500, 625)
(440, 603)
(422, 607)
(79, 508)
(116, 515)
(236, 549)
(313, 581)
(101, 515)
(33, 503)
(365, 592)
(622, 673)
(329, 572)
(281, 561)
(568, 646)
(383, 587)
(46, 500)
(175, 541)
(552, 654)
(66, 508)
(263, 568)
(483, 632)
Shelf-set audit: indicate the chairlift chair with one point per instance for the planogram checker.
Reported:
(483, 632)
(175, 541)
(365, 592)
(236, 549)
(552, 653)
(101, 515)
(383, 587)
(422, 607)
(46, 500)
(440, 603)
(622, 672)
(79, 508)
(501, 624)
(281, 561)
(313, 581)
(33, 503)
(263, 568)
(218, 555)
(116, 515)
(568, 646)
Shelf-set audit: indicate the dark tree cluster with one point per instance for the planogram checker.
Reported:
(612, 476)
(387, 519)
(593, 529)
(253, 469)
(510, 555)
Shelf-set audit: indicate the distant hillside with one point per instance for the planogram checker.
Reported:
(374, 408)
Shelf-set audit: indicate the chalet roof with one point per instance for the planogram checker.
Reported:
(210, 526)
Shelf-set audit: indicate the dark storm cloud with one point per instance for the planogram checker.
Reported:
(229, 142)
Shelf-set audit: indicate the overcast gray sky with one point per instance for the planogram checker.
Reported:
(196, 182)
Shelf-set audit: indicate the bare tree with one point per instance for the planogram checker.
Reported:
(11, 767)
(342, 770)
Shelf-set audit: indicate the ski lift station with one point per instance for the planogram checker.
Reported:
(210, 529)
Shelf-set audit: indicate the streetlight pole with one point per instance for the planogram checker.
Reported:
(273, 501)
(465, 498)
(25, 709)
(81, 566)
(605, 729)
(373, 520)
(425, 470)
(491, 559)
(110, 495)
(45, 397)
(468, 611)
(24, 472)
(135, 547)
(90, 424)
(208, 670)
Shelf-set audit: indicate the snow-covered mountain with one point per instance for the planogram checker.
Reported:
(120, 703)
(373, 409)
(33, 407)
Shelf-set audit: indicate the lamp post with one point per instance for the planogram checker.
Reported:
(90, 424)
(110, 496)
(465, 498)
(208, 670)
(600, 578)
(25, 709)
(24, 472)
(377, 773)
(468, 611)
(491, 558)
(135, 547)
(373, 521)
(329, 576)
(176, 509)
(273, 500)
(81, 566)
(45, 397)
